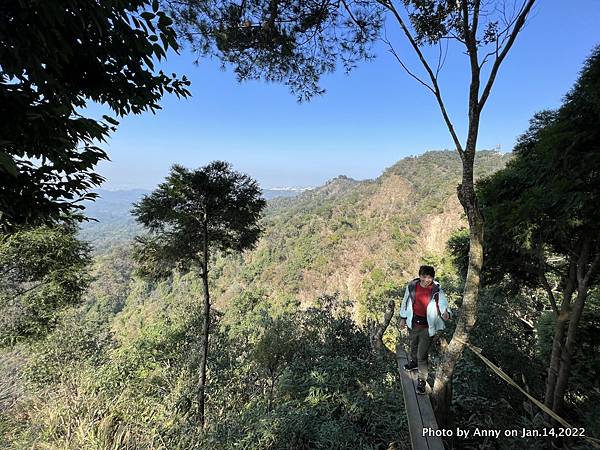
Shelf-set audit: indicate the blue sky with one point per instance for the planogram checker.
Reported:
(365, 122)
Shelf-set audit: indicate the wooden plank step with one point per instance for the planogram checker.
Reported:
(418, 409)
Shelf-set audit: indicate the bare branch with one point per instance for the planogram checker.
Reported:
(441, 56)
(520, 21)
(436, 90)
(359, 25)
(393, 52)
(437, 69)
(454, 36)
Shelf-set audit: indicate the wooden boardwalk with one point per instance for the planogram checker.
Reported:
(418, 409)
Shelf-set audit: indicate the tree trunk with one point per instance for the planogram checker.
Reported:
(442, 392)
(205, 332)
(441, 395)
(378, 332)
(585, 271)
(559, 334)
(567, 353)
(554, 367)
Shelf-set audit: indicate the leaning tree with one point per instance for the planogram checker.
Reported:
(189, 216)
(297, 41)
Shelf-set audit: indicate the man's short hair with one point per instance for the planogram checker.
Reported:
(427, 270)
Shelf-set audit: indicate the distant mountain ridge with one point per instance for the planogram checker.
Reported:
(113, 224)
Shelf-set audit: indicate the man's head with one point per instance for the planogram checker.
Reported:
(426, 275)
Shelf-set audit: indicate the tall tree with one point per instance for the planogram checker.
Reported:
(542, 217)
(295, 42)
(189, 216)
(56, 57)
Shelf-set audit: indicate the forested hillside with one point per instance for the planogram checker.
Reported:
(291, 364)
(361, 239)
(288, 345)
(207, 314)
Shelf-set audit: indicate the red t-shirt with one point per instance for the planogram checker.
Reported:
(422, 296)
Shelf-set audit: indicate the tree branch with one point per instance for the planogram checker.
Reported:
(377, 336)
(548, 288)
(29, 290)
(436, 90)
(517, 28)
(593, 267)
(441, 60)
(4, 272)
(582, 261)
(393, 52)
(475, 17)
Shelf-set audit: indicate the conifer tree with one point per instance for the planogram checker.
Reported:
(192, 214)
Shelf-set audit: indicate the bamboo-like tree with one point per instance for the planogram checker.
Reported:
(297, 41)
(189, 216)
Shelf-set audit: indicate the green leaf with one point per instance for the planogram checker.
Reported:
(110, 120)
(43, 123)
(8, 164)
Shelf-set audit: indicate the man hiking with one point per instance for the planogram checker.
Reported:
(423, 303)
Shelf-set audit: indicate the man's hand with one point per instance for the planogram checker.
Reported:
(402, 324)
(445, 316)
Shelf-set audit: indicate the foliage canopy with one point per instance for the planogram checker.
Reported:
(192, 210)
(43, 270)
(55, 58)
(546, 200)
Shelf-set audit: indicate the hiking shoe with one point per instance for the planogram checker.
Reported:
(413, 365)
(421, 386)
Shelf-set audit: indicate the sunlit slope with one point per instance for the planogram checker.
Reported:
(356, 238)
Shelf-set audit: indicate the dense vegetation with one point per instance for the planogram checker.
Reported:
(55, 59)
(280, 376)
(360, 239)
(101, 352)
(120, 371)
